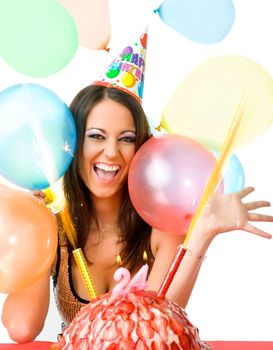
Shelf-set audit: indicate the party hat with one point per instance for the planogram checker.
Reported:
(126, 71)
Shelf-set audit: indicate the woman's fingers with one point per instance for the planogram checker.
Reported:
(260, 217)
(257, 205)
(256, 231)
(40, 195)
(245, 192)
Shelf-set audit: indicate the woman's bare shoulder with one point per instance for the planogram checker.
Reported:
(165, 241)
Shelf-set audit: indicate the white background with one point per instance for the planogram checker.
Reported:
(233, 298)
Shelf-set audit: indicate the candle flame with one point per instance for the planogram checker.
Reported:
(145, 256)
(118, 259)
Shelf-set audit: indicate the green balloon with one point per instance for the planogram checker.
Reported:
(37, 37)
(112, 73)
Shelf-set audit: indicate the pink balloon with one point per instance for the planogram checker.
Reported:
(166, 180)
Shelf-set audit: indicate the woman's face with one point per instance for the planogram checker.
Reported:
(108, 148)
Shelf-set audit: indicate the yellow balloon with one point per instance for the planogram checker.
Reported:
(204, 104)
(128, 80)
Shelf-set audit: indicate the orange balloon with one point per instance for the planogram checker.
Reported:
(92, 18)
(28, 239)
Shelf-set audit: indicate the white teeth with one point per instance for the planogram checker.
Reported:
(107, 167)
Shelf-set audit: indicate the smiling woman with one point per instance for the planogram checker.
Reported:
(111, 127)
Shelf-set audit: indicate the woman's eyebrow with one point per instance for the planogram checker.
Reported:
(129, 130)
(95, 129)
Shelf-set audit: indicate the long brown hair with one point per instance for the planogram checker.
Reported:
(135, 236)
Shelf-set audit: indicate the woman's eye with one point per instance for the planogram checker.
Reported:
(130, 139)
(96, 136)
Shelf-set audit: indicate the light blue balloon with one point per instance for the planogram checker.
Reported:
(234, 176)
(203, 21)
(37, 136)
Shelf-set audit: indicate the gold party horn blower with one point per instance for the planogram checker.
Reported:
(70, 232)
(226, 149)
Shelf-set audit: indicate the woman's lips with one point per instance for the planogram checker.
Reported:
(106, 172)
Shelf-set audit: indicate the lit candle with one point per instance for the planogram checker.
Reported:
(139, 281)
(125, 285)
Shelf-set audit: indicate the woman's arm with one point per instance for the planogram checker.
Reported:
(24, 313)
(223, 213)
(185, 278)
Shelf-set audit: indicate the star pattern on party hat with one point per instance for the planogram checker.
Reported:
(126, 72)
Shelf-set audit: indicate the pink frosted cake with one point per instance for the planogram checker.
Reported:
(131, 318)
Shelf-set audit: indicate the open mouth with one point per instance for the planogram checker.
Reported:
(106, 172)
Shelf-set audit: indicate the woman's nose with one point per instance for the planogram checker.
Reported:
(111, 149)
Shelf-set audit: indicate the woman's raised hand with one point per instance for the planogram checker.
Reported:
(228, 212)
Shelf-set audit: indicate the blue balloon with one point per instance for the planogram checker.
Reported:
(234, 176)
(203, 21)
(37, 136)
